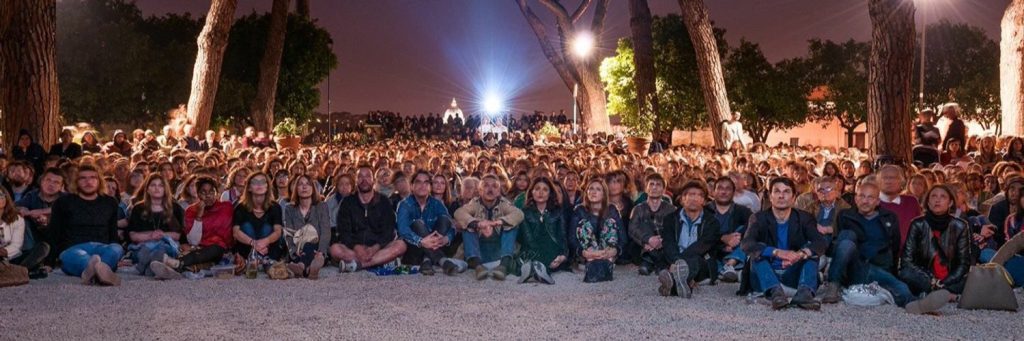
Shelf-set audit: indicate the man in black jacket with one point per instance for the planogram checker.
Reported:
(784, 245)
(732, 220)
(867, 248)
(690, 234)
(366, 227)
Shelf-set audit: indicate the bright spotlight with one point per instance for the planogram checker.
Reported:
(492, 104)
(582, 44)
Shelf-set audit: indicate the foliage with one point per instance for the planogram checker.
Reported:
(287, 128)
(841, 72)
(961, 65)
(770, 97)
(677, 81)
(549, 130)
(116, 66)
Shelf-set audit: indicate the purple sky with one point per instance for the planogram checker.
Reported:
(413, 56)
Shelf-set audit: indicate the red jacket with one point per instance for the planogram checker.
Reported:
(216, 224)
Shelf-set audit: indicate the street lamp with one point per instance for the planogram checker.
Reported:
(582, 45)
(924, 31)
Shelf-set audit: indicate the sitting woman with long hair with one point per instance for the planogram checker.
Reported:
(307, 226)
(154, 224)
(258, 220)
(208, 232)
(542, 244)
(597, 231)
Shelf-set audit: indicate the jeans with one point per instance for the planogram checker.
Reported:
(274, 250)
(154, 250)
(899, 290)
(76, 258)
(471, 243)
(802, 274)
(737, 255)
(846, 266)
(1014, 266)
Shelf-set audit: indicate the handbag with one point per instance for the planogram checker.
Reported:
(12, 275)
(598, 271)
(988, 287)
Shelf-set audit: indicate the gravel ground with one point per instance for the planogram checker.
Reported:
(363, 306)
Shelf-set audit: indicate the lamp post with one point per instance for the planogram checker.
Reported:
(582, 45)
(924, 35)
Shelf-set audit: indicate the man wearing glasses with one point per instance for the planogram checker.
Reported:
(824, 203)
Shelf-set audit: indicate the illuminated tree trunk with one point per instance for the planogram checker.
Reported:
(270, 67)
(573, 70)
(643, 59)
(213, 40)
(29, 96)
(890, 69)
(709, 65)
(1011, 69)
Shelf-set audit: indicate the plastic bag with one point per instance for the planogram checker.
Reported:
(867, 295)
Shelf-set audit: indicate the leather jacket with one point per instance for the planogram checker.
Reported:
(921, 248)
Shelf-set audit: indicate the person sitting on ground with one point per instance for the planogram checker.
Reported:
(35, 206)
(906, 207)
(867, 245)
(732, 219)
(66, 148)
(306, 217)
(424, 224)
(85, 229)
(18, 179)
(488, 218)
(936, 256)
(258, 221)
(691, 235)
(784, 245)
(597, 227)
(90, 144)
(824, 204)
(12, 237)
(646, 219)
(542, 243)
(207, 227)
(154, 225)
(366, 227)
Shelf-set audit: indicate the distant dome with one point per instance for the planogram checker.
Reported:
(453, 112)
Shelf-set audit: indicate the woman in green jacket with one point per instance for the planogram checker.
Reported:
(542, 232)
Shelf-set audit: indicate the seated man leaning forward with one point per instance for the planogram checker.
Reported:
(488, 217)
(366, 227)
(784, 245)
(424, 224)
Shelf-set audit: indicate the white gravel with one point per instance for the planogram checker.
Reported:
(366, 307)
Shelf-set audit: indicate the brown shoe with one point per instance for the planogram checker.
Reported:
(830, 293)
(665, 279)
(89, 274)
(105, 275)
(314, 268)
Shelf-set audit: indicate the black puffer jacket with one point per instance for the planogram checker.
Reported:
(921, 248)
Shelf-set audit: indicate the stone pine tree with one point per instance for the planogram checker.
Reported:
(206, 74)
(574, 69)
(29, 96)
(302, 8)
(1011, 69)
(262, 107)
(643, 59)
(709, 65)
(890, 68)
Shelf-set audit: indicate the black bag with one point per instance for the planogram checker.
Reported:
(598, 271)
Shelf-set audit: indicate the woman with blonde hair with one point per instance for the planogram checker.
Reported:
(154, 224)
(257, 222)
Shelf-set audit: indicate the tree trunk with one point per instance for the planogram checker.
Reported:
(584, 73)
(849, 136)
(262, 107)
(709, 65)
(302, 8)
(889, 72)
(643, 59)
(1011, 69)
(29, 93)
(213, 40)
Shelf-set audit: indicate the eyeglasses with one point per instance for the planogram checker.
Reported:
(825, 190)
(259, 181)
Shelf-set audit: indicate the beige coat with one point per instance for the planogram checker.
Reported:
(475, 211)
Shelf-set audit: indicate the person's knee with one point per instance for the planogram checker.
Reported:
(443, 225)
(846, 248)
(420, 228)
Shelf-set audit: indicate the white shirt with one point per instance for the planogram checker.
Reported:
(748, 199)
(887, 199)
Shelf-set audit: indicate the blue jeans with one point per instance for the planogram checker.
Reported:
(802, 274)
(846, 266)
(274, 250)
(737, 255)
(154, 250)
(1014, 266)
(471, 243)
(76, 258)
(900, 291)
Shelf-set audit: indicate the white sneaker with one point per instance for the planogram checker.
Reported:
(172, 262)
(729, 274)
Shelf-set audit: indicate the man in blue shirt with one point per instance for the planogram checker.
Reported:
(424, 224)
(784, 245)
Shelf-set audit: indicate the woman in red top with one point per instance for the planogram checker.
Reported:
(207, 229)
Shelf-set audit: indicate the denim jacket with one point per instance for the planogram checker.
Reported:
(409, 211)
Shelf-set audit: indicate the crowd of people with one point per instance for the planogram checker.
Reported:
(796, 224)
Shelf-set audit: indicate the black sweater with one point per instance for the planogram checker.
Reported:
(75, 220)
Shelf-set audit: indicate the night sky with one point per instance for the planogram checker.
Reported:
(413, 56)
